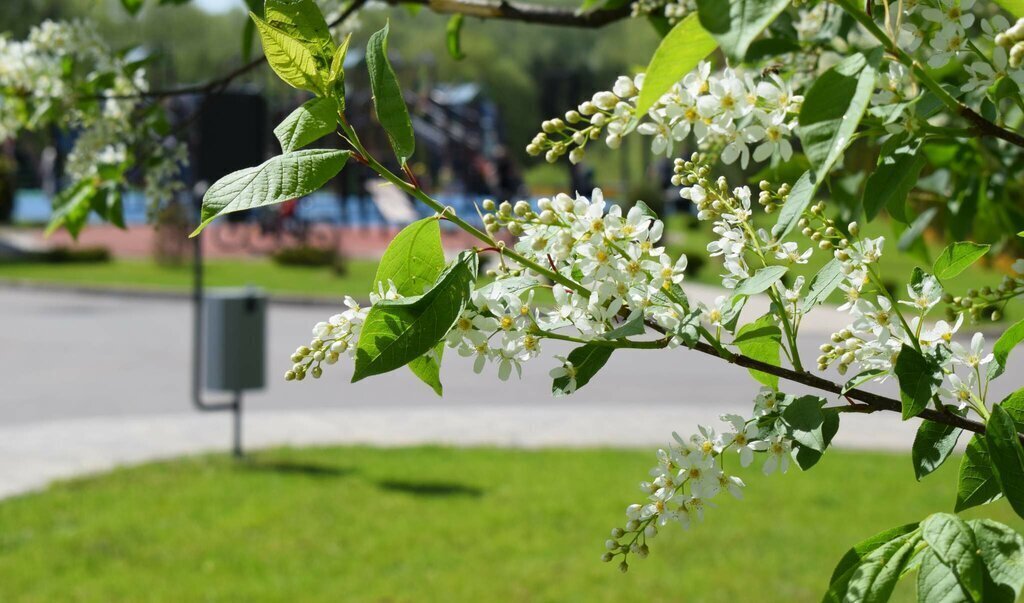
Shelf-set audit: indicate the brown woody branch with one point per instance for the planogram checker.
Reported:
(987, 128)
(219, 84)
(873, 402)
(524, 11)
(482, 9)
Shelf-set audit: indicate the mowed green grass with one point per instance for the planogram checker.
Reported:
(442, 524)
(146, 274)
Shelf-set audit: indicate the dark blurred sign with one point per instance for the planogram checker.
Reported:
(232, 134)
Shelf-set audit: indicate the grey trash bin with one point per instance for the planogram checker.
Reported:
(234, 340)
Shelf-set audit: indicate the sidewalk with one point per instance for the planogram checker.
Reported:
(117, 392)
(33, 455)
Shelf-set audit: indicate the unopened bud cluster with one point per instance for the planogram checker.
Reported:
(336, 336)
(987, 302)
(1013, 41)
(672, 10)
(607, 113)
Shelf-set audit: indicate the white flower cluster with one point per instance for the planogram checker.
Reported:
(616, 258)
(37, 89)
(499, 326)
(331, 338)
(692, 472)
(673, 10)
(728, 110)
(882, 325)
(941, 28)
(739, 240)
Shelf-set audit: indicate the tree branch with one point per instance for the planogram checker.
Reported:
(481, 9)
(875, 401)
(523, 11)
(218, 84)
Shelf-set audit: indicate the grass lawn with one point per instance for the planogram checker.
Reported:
(441, 524)
(895, 266)
(145, 274)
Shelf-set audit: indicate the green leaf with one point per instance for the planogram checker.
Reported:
(71, 208)
(913, 233)
(761, 340)
(807, 457)
(918, 378)
(805, 420)
(515, 285)
(428, 368)
(387, 97)
(800, 196)
(679, 52)
(1014, 7)
(396, 333)
(1004, 345)
(936, 582)
(302, 21)
(336, 74)
(852, 558)
(956, 258)
(823, 284)
(832, 110)
(278, 179)
(874, 578)
(132, 6)
(688, 329)
(114, 203)
(1007, 456)
(633, 326)
(735, 23)
(414, 258)
(977, 483)
(453, 37)
(932, 446)
(1002, 550)
(1014, 406)
(290, 59)
(891, 181)
(952, 540)
(312, 121)
(761, 280)
(586, 361)
(861, 378)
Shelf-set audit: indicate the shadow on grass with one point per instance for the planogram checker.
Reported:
(431, 488)
(318, 470)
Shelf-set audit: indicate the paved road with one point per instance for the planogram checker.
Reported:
(91, 380)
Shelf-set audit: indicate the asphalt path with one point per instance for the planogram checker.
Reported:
(88, 381)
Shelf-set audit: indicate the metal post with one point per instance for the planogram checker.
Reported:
(235, 404)
(236, 446)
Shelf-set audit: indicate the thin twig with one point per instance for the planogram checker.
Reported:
(481, 9)
(524, 11)
(220, 83)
